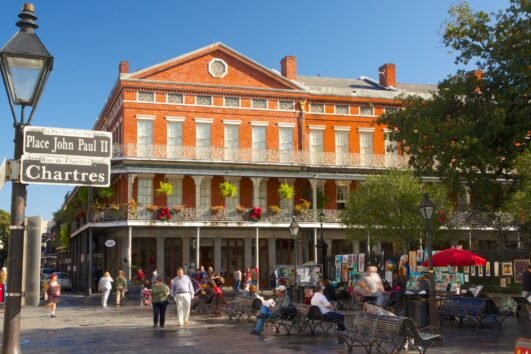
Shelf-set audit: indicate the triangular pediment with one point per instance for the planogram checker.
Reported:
(216, 64)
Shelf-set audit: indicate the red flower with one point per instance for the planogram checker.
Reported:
(164, 214)
(256, 214)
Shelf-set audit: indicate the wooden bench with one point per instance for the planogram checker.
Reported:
(477, 309)
(387, 333)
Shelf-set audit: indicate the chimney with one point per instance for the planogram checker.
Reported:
(123, 68)
(288, 67)
(387, 75)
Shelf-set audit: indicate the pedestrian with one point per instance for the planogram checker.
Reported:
(159, 295)
(237, 280)
(526, 292)
(121, 288)
(154, 276)
(53, 292)
(183, 292)
(140, 275)
(326, 307)
(105, 286)
(254, 276)
(372, 286)
(273, 278)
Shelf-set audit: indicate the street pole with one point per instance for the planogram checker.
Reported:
(432, 300)
(11, 335)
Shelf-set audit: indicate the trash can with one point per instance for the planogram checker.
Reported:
(417, 309)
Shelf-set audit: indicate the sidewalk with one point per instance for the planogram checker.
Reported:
(83, 326)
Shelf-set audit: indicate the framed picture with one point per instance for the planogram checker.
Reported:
(520, 267)
(466, 270)
(507, 269)
(467, 279)
(361, 262)
(503, 282)
(480, 271)
(487, 269)
(496, 269)
(473, 271)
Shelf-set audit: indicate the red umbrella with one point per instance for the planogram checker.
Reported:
(456, 257)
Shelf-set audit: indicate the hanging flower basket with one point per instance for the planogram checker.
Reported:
(176, 209)
(164, 214)
(256, 214)
(302, 206)
(165, 188)
(228, 190)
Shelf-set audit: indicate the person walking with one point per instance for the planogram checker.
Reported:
(121, 288)
(526, 292)
(183, 292)
(254, 276)
(372, 286)
(237, 280)
(159, 295)
(154, 276)
(105, 286)
(53, 292)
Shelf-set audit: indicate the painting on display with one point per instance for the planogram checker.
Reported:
(354, 262)
(338, 274)
(480, 271)
(467, 278)
(473, 271)
(344, 272)
(413, 261)
(466, 270)
(420, 256)
(460, 278)
(507, 268)
(487, 269)
(496, 269)
(361, 262)
(338, 260)
(351, 260)
(520, 267)
(503, 282)
(344, 259)
(438, 277)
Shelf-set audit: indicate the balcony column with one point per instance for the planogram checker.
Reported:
(130, 180)
(197, 247)
(217, 254)
(197, 181)
(256, 190)
(160, 256)
(128, 246)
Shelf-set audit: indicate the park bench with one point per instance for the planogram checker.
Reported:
(387, 333)
(477, 309)
(241, 307)
(310, 317)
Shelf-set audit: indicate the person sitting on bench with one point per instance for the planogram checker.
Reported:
(326, 308)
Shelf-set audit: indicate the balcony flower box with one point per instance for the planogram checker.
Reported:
(274, 209)
(164, 214)
(240, 209)
(176, 209)
(302, 206)
(256, 214)
(217, 209)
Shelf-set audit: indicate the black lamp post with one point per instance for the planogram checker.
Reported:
(426, 208)
(322, 246)
(25, 65)
(294, 230)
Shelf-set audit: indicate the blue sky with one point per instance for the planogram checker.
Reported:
(343, 38)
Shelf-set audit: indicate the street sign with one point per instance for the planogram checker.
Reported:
(70, 142)
(2, 174)
(110, 243)
(74, 171)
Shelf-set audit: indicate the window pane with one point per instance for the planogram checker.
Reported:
(259, 143)
(366, 111)
(232, 102)
(203, 142)
(259, 103)
(286, 144)
(206, 187)
(342, 153)
(175, 98)
(316, 146)
(232, 142)
(317, 108)
(203, 100)
(341, 109)
(286, 105)
(366, 149)
(144, 137)
(145, 96)
(175, 139)
(145, 191)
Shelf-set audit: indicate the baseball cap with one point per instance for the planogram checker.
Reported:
(281, 288)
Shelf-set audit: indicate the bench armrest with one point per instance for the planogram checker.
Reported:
(431, 330)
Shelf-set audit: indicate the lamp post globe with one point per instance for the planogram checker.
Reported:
(426, 209)
(25, 65)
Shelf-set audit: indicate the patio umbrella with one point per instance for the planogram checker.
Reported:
(456, 257)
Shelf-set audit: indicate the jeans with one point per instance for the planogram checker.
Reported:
(236, 285)
(336, 317)
(264, 314)
(159, 310)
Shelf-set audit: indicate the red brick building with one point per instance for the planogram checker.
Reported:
(215, 115)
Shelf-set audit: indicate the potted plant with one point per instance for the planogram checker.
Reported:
(114, 207)
(165, 188)
(256, 214)
(152, 207)
(176, 209)
(240, 209)
(217, 209)
(228, 190)
(164, 214)
(302, 206)
(286, 191)
(131, 208)
(274, 209)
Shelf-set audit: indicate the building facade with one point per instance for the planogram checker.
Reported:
(213, 116)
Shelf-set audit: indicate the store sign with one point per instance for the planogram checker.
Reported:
(74, 171)
(68, 142)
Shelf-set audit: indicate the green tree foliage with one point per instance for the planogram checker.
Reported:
(519, 204)
(473, 128)
(386, 206)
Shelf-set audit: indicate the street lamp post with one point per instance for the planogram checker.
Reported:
(426, 208)
(322, 246)
(25, 65)
(294, 230)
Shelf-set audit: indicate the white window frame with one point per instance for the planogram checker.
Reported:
(259, 152)
(340, 104)
(285, 155)
(205, 193)
(204, 105)
(203, 152)
(230, 152)
(366, 115)
(144, 190)
(342, 157)
(144, 150)
(225, 102)
(316, 144)
(287, 110)
(366, 157)
(344, 188)
(390, 157)
(176, 94)
(315, 105)
(259, 99)
(174, 150)
(176, 198)
(138, 96)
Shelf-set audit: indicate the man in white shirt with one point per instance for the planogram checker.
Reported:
(237, 280)
(183, 292)
(326, 308)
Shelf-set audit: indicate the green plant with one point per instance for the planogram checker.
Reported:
(275, 209)
(228, 190)
(132, 207)
(165, 188)
(286, 191)
(104, 194)
(302, 206)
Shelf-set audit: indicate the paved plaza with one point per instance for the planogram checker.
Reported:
(83, 326)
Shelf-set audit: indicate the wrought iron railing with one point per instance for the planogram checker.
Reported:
(220, 154)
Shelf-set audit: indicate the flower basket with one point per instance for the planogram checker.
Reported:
(153, 208)
(240, 209)
(164, 214)
(256, 214)
(165, 188)
(217, 209)
(228, 190)
(132, 208)
(176, 209)
(274, 209)
(114, 207)
(302, 206)
(285, 191)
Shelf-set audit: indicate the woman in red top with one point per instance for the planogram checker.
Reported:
(53, 292)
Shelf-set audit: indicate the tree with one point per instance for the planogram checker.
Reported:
(386, 207)
(519, 204)
(475, 125)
